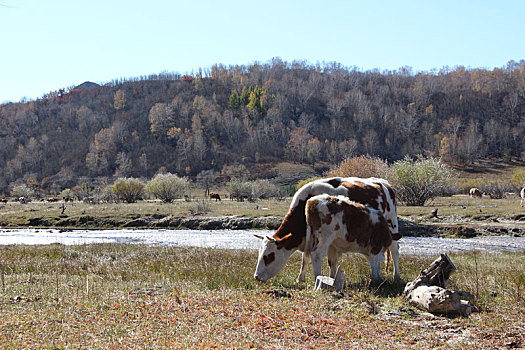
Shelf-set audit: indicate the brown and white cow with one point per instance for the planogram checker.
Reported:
(337, 225)
(474, 192)
(291, 235)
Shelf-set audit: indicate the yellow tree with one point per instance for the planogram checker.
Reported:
(119, 100)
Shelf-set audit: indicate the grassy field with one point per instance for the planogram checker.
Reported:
(130, 296)
(14, 214)
(114, 214)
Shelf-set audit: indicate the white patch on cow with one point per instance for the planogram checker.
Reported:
(374, 216)
(268, 247)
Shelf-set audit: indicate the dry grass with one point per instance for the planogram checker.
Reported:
(464, 206)
(458, 206)
(17, 214)
(129, 296)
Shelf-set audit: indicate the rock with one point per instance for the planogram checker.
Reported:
(136, 223)
(329, 283)
(38, 222)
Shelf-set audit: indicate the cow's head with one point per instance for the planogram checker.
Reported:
(272, 257)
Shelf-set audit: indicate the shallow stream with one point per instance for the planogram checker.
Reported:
(238, 239)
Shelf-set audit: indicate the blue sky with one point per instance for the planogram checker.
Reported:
(52, 44)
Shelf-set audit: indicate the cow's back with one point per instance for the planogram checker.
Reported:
(347, 225)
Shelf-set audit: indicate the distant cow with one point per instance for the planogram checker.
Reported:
(291, 234)
(215, 196)
(522, 195)
(4, 200)
(474, 192)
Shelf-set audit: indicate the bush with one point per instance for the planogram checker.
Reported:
(168, 187)
(518, 178)
(22, 191)
(362, 166)
(240, 190)
(304, 182)
(497, 190)
(417, 181)
(264, 189)
(128, 189)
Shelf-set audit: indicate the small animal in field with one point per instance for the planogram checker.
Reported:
(215, 196)
(474, 192)
(522, 195)
(4, 200)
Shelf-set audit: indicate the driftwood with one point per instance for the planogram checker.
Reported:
(325, 282)
(428, 291)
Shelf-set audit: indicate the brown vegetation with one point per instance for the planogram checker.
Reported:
(259, 114)
(129, 296)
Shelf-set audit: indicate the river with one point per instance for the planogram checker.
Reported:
(238, 239)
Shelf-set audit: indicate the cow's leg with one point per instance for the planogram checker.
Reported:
(333, 255)
(394, 250)
(375, 266)
(317, 256)
(304, 263)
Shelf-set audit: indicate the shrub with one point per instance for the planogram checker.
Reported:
(168, 187)
(22, 191)
(361, 166)
(304, 182)
(497, 190)
(128, 189)
(264, 189)
(240, 190)
(518, 178)
(419, 180)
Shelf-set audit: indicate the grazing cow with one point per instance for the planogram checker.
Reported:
(291, 235)
(336, 225)
(22, 200)
(4, 200)
(522, 195)
(215, 196)
(474, 192)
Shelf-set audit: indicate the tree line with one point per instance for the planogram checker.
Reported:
(222, 120)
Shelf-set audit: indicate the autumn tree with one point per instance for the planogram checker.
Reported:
(418, 180)
(119, 100)
(128, 189)
(168, 187)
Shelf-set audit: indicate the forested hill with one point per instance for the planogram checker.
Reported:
(260, 113)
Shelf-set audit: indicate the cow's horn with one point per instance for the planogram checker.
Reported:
(285, 237)
(260, 237)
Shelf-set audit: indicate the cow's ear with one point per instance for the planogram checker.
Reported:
(260, 237)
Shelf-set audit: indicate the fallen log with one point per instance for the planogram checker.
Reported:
(428, 291)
